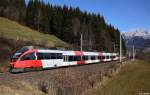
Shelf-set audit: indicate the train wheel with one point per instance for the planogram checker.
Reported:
(10, 68)
(18, 70)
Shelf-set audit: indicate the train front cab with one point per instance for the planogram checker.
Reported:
(27, 60)
(39, 58)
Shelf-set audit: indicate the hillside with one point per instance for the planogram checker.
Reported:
(12, 30)
(13, 36)
(65, 22)
(133, 79)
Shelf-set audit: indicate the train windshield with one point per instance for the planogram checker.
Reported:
(17, 54)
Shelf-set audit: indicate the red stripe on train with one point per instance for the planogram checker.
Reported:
(78, 53)
(101, 54)
(101, 60)
(80, 62)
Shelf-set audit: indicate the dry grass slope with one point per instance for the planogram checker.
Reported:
(12, 30)
(24, 88)
(133, 79)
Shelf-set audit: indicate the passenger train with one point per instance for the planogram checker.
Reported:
(44, 58)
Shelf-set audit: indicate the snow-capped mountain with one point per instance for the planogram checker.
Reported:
(137, 33)
(140, 38)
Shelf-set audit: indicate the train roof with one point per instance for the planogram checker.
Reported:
(71, 52)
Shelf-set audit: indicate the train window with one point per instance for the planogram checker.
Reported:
(85, 58)
(112, 57)
(93, 57)
(40, 55)
(59, 56)
(53, 56)
(107, 57)
(44, 56)
(70, 58)
(49, 56)
(103, 57)
(99, 57)
(29, 56)
(78, 58)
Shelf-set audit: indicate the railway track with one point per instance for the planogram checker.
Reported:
(67, 81)
(44, 74)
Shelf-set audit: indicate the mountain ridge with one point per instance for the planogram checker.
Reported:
(139, 37)
(138, 33)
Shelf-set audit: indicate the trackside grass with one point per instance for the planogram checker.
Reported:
(133, 79)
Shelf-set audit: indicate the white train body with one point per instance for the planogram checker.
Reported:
(43, 58)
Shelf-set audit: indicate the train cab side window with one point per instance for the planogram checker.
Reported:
(29, 56)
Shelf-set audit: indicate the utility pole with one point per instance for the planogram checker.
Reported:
(114, 48)
(129, 55)
(133, 51)
(81, 45)
(120, 48)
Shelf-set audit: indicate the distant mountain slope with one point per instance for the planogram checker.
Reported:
(13, 30)
(140, 38)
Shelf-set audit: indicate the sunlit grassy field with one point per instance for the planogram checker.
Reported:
(12, 30)
(133, 79)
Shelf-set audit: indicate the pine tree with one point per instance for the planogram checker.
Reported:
(66, 23)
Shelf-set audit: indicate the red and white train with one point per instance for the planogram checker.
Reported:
(43, 58)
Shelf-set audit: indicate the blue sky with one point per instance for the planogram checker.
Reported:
(123, 14)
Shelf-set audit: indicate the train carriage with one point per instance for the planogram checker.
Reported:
(43, 58)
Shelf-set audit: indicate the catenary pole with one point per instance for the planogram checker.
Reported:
(133, 51)
(120, 48)
(81, 43)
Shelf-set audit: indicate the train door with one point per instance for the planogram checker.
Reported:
(57, 59)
